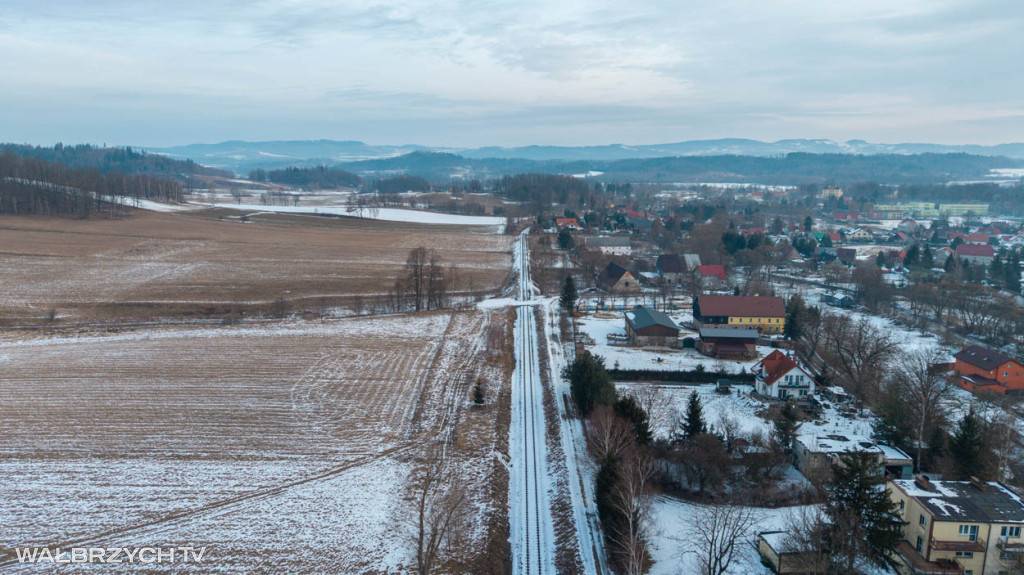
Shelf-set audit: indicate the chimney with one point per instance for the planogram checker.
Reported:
(979, 484)
(923, 482)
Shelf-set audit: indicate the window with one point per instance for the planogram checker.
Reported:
(922, 521)
(902, 504)
(965, 554)
(969, 572)
(1007, 531)
(920, 543)
(971, 531)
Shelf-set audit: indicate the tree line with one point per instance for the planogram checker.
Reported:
(30, 185)
(320, 177)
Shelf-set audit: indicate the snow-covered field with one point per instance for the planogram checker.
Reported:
(386, 214)
(628, 357)
(283, 449)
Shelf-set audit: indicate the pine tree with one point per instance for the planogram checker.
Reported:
(967, 446)
(786, 425)
(865, 522)
(808, 224)
(693, 424)
(565, 240)
(794, 312)
(589, 383)
(627, 407)
(569, 294)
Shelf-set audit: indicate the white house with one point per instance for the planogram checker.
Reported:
(616, 246)
(779, 376)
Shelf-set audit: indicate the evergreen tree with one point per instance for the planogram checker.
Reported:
(589, 383)
(826, 242)
(967, 446)
(786, 425)
(913, 257)
(864, 522)
(693, 423)
(808, 224)
(565, 240)
(794, 315)
(627, 408)
(1011, 272)
(927, 258)
(569, 294)
(880, 259)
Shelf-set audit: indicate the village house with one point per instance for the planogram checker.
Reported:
(728, 343)
(617, 280)
(710, 277)
(978, 369)
(976, 254)
(674, 267)
(567, 224)
(862, 234)
(780, 376)
(959, 527)
(609, 245)
(648, 327)
(767, 314)
(909, 226)
(815, 454)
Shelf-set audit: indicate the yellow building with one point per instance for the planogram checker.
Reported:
(764, 313)
(958, 527)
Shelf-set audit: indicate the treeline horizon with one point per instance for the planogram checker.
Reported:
(35, 186)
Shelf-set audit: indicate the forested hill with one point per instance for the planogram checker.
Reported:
(794, 168)
(32, 185)
(125, 160)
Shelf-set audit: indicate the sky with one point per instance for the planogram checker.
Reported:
(468, 73)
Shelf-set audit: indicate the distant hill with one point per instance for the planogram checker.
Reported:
(790, 169)
(241, 156)
(127, 160)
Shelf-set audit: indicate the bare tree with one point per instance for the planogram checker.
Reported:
(857, 351)
(924, 391)
(608, 435)
(416, 275)
(805, 546)
(717, 533)
(630, 499)
(657, 404)
(440, 497)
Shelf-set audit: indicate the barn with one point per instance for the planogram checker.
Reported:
(728, 343)
(648, 327)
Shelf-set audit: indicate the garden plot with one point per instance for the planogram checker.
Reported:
(284, 448)
(659, 359)
(669, 403)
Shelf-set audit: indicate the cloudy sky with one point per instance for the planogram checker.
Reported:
(496, 72)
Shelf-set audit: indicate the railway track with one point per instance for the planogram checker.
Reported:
(533, 539)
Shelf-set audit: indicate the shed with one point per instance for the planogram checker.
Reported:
(648, 327)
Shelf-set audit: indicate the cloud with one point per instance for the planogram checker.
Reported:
(505, 72)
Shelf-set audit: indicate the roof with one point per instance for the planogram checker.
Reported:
(982, 357)
(727, 333)
(567, 222)
(691, 260)
(614, 272)
(975, 250)
(642, 317)
(609, 242)
(775, 365)
(671, 264)
(965, 501)
(834, 443)
(738, 305)
(717, 271)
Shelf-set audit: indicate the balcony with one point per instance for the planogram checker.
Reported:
(1015, 546)
(977, 546)
(919, 566)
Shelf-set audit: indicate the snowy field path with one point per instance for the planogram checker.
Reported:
(532, 526)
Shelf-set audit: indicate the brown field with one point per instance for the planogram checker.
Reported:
(285, 448)
(153, 265)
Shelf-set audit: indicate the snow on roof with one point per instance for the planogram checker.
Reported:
(892, 453)
(989, 502)
(945, 506)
